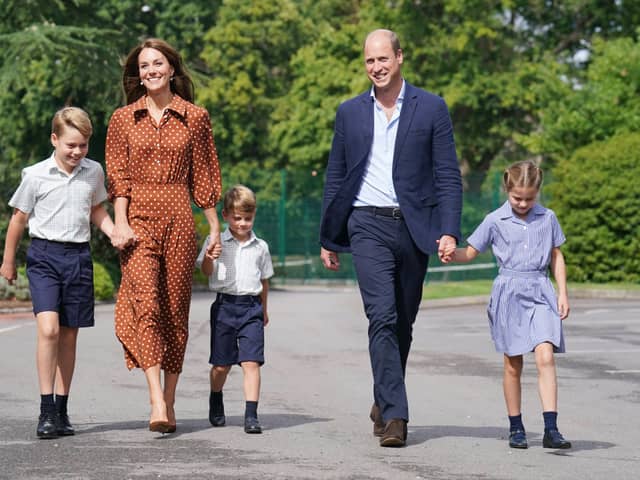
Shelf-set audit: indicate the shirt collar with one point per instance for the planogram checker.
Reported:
(505, 211)
(177, 105)
(400, 98)
(227, 236)
(53, 165)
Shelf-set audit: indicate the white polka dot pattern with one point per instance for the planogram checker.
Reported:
(160, 168)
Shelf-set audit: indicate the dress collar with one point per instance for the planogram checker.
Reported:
(177, 105)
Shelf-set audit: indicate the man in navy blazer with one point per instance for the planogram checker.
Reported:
(392, 197)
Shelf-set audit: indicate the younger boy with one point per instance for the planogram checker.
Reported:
(58, 198)
(239, 275)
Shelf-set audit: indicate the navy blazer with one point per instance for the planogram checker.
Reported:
(426, 175)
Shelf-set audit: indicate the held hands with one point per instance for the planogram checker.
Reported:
(122, 236)
(329, 259)
(446, 248)
(213, 249)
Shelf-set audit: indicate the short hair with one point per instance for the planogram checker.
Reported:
(239, 198)
(393, 38)
(181, 84)
(73, 117)
(525, 174)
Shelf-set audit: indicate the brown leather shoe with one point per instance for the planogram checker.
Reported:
(395, 433)
(376, 418)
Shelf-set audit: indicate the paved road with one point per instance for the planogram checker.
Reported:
(316, 397)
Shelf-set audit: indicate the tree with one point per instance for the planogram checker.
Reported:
(248, 52)
(68, 53)
(596, 196)
(577, 112)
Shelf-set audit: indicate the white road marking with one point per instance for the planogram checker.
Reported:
(8, 329)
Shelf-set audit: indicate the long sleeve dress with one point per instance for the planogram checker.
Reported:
(160, 168)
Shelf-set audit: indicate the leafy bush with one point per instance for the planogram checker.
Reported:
(596, 195)
(102, 283)
(20, 288)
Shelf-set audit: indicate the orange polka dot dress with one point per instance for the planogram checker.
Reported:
(160, 168)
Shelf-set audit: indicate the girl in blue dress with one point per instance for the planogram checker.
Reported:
(525, 315)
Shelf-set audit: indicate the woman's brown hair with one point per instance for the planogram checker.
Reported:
(181, 82)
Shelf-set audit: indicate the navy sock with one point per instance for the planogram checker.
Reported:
(251, 410)
(216, 403)
(550, 420)
(515, 423)
(61, 403)
(47, 405)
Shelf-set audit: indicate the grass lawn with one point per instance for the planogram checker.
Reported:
(604, 286)
(435, 290)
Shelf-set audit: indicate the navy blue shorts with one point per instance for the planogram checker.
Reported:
(61, 280)
(237, 330)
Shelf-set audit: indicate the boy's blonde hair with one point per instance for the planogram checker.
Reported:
(72, 117)
(239, 199)
(525, 174)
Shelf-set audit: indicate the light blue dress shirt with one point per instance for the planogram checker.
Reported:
(377, 183)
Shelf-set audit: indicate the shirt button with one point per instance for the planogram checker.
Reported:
(524, 227)
(525, 246)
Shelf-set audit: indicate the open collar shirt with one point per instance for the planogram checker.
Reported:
(59, 204)
(377, 184)
(241, 267)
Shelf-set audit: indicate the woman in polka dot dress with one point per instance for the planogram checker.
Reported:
(160, 155)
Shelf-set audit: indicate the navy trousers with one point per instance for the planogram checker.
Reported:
(390, 270)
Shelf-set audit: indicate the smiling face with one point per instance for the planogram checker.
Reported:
(522, 199)
(71, 147)
(155, 71)
(382, 63)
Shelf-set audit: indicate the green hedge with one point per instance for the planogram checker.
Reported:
(596, 195)
(102, 283)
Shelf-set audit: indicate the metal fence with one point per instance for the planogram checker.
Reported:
(291, 228)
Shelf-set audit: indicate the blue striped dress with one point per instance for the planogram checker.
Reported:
(523, 310)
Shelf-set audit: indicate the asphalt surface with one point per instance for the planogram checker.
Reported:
(316, 397)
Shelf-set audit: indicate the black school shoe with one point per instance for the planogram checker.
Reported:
(47, 426)
(554, 439)
(252, 425)
(63, 425)
(216, 415)
(518, 439)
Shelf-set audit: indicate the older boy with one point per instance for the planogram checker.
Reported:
(239, 275)
(58, 198)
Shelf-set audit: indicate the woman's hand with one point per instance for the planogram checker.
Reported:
(122, 236)
(214, 250)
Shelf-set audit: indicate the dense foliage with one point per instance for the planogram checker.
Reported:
(522, 78)
(596, 194)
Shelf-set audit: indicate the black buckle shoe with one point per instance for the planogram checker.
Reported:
(216, 415)
(554, 439)
(63, 425)
(518, 439)
(47, 426)
(252, 425)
